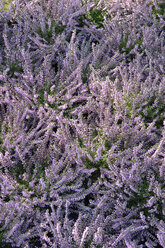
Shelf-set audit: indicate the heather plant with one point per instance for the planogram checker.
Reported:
(82, 129)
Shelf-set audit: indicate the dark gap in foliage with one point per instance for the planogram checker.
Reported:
(73, 212)
(87, 244)
(93, 178)
(55, 66)
(31, 152)
(6, 198)
(47, 144)
(73, 216)
(88, 198)
(56, 63)
(119, 121)
(2, 148)
(31, 123)
(86, 115)
(28, 123)
(72, 131)
(55, 129)
(78, 103)
(35, 242)
(109, 230)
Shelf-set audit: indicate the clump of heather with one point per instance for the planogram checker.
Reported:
(82, 124)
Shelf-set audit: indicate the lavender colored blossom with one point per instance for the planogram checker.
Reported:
(82, 124)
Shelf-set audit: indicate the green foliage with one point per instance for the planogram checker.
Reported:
(87, 244)
(81, 19)
(6, 5)
(89, 164)
(94, 133)
(97, 164)
(158, 11)
(80, 140)
(128, 104)
(126, 50)
(94, 16)
(107, 144)
(101, 163)
(40, 169)
(18, 170)
(153, 112)
(57, 102)
(47, 35)
(141, 198)
(85, 75)
(14, 67)
(90, 244)
(4, 244)
(46, 88)
(160, 214)
(40, 93)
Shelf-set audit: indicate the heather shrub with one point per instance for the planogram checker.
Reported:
(82, 128)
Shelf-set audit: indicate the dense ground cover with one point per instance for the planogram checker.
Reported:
(82, 124)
